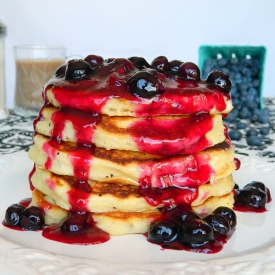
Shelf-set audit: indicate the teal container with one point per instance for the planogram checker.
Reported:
(255, 52)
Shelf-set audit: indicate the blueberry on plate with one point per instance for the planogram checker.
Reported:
(162, 232)
(32, 218)
(228, 214)
(12, 215)
(252, 196)
(218, 223)
(196, 233)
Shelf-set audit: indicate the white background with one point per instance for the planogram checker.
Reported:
(149, 28)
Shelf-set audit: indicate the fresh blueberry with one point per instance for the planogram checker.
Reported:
(32, 218)
(254, 140)
(241, 125)
(251, 132)
(145, 83)
(12, 215)
(264, 131)
(162, 232)
(235, 134)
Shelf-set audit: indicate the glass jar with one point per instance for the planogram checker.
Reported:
(3, 110)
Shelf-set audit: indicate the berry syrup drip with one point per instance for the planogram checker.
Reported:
(168, 197)
(79, 195)
(189, 171)
(80, 156)
(25, 202)
(172, 136)
(84, 124)
(30, 176)
(237, 163)
(152, 92)
(79, 228)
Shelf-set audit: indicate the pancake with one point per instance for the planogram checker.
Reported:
(113, 197)
(120, 223)
(136, 168)
(111, 88)
(164, 135)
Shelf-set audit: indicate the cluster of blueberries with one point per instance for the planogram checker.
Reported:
(245, 92)
(30, 218)
(190, 230)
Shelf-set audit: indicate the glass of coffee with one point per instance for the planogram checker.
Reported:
(35, 65)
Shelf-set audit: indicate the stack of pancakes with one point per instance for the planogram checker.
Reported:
(100, 149)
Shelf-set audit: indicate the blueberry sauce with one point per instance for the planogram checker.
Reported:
(109, 81)
(79, 228)
(82, 89)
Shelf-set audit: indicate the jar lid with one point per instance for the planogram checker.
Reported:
(3, 29)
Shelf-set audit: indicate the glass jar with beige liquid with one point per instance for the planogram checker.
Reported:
(35, 65)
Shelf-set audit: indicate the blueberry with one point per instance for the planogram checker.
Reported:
(251, 105)
(13, 212)
(218, 223)
(94, 60)
(220, 79)
(160, 64)
(196, 233)
(244, 113)
(222, 62)
(236, 186)
(182, 217)
(189, 71)
(264, 131)
(162, 232)
(257, 185)
(74, 223)
(60, 72)
(77, 69)
(174, 66)
(145, 83)
(232, 116)
(254, 140)
(32, 218)
(251, 132)
(235, 134)
(139, 62)
(251, 196)
(228, 214)
(241, 125)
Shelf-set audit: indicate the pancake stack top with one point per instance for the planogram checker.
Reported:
(124, 141)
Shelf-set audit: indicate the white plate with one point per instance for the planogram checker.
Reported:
(250, 250)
